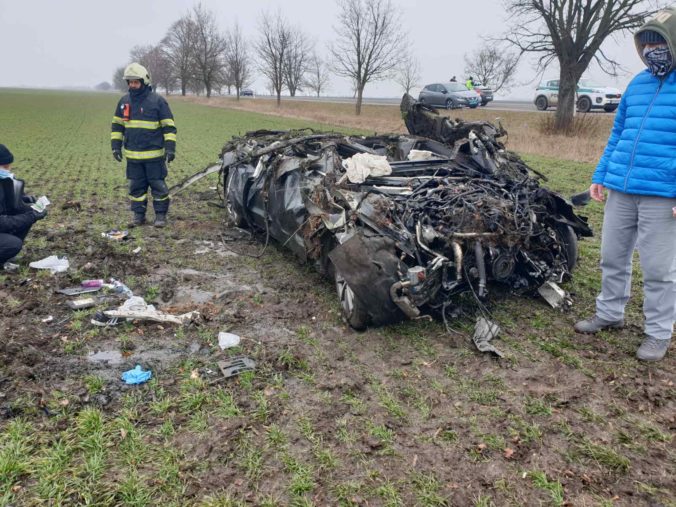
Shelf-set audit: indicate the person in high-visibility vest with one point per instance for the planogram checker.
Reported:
(470, 83)
(144, 131)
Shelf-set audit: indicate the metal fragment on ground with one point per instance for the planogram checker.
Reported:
(236, 365)
(553, 294)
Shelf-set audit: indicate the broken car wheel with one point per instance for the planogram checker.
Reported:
(569, 244)
(352, 309)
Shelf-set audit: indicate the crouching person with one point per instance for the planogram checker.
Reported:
(16, 215)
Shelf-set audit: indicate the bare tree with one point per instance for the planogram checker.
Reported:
(492, 65)
(408, 73)
(179, 45)
(296, 62)
(317, 77)
(370, 42)
(210, 46)
(572, 32)
(118, 80)
(238, 68)
(272, 47)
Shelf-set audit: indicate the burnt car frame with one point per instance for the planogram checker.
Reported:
(454, 214)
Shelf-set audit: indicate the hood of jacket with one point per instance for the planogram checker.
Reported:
(664, 23)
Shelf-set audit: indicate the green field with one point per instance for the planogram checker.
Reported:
(399, 416)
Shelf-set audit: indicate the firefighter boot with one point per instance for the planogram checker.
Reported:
(137, 220)
(160, 220)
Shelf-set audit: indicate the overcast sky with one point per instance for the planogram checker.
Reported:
(73, 43)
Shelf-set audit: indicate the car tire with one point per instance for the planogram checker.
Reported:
(234, 218)
(541, 103)
(450, 104)
(352, 309)
(568, 239)
(610, 109)
(584, 104)
(473, 106)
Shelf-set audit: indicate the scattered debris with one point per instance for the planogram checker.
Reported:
(9, 266)
(236, 365)
(115, 234)
(48, 319)
(120, 288)
(227, 340)
(362, 165)
(76, 205)
(81, 304)
(92, 283)
(554, 295)
(136, 308)
(484, 332)
(76, 291)
(137, 375)
(100, 319)
(52, 263)
(136, 250)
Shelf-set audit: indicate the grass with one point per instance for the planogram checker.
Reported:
(403, 415)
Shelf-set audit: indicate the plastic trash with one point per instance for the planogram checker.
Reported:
(121, 288)
(9, 266)
(137, 375)
(115, 234)
(91, 283)
(227, 340)
(53, 263)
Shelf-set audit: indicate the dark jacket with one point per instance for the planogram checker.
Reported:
(15, 216)
(144, 122)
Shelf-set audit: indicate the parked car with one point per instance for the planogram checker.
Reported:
(484, 92)
(589, 96)
(246, 92)
(449, 95)
(403, 224)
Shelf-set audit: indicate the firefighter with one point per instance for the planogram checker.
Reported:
(144, 132)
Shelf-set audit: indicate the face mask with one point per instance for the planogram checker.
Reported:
(659, 59)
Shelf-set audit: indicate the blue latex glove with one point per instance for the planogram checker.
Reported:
(137, 375)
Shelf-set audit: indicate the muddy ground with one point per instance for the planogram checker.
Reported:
(404, 415)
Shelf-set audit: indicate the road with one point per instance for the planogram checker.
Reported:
(498, 105)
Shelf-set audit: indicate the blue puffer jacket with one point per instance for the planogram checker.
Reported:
(640, 157)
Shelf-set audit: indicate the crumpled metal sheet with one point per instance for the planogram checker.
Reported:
(452, 213)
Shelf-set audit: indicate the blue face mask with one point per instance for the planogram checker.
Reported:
(659, 60)
(4, 173)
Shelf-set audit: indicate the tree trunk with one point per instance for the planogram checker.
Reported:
(208, 87)
(360, 94)
(565, 110)
(279, 98)
(183, 87)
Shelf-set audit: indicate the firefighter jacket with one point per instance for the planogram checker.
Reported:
(143, 123)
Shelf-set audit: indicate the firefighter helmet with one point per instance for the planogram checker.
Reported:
(136, 71)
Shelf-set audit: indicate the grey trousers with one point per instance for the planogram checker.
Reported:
(647, 223)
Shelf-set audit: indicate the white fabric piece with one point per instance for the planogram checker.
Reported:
(53, 263)
(227, 340)
(362, 165)
(421, 155)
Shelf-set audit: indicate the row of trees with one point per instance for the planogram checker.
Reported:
(370, 44)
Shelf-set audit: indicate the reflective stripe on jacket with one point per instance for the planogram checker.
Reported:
(144, 126)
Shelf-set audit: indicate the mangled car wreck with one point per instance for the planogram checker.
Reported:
(406, 225)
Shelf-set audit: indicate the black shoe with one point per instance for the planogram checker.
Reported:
(137, 220)
(160, 220)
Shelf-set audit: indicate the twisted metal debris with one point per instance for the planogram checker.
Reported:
(450, 212)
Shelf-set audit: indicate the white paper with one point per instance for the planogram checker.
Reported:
(227, 340)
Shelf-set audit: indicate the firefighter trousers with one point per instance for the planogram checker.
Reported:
(144, 174)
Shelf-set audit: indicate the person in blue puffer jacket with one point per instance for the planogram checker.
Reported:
(638, 169)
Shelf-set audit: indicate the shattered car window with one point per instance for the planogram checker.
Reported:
(405, 225)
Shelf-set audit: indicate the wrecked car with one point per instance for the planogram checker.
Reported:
(405, 225)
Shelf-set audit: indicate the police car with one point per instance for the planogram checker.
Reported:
(589, 96)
